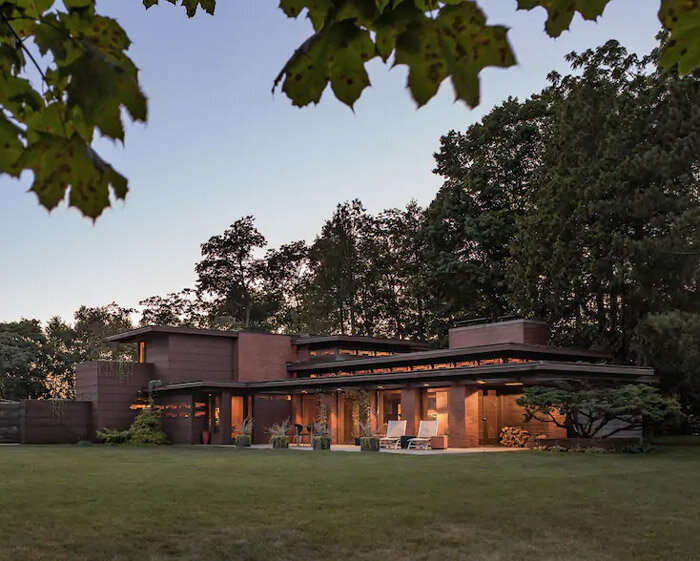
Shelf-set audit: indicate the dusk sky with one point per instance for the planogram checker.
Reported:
(219, 146)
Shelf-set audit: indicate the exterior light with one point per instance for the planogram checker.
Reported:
(380, 387)
(427, 385)
(513, 383)
(480, 382)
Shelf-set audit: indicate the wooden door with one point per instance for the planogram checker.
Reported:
(488, 411)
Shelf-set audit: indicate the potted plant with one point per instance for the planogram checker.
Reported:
(322, 439)
(245, 431)
(278, 434)
(368, 442)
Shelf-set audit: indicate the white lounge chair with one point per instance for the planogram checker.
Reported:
(394, 431)
(426, 429)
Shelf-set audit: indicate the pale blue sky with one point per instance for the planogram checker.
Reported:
(219, 146)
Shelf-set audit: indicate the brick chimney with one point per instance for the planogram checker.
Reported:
(527, 331)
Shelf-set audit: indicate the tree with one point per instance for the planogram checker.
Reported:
(394, 250)
(599, 412)
(229, 274)
(90, 80)
(469, 225)
(22, 372)
(92, 327)
(178, 309)
(337, 265)
(285, 283)
(61, 356)
(614, 229)
(670, 342)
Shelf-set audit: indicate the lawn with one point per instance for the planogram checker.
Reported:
(179, 503)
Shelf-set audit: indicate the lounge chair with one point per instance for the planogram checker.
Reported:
(426, 429)
(394, 431)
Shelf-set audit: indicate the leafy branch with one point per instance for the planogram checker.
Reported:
(91, 82)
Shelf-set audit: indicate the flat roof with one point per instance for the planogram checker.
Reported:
(316, 339)
(516, 373)
(136, 334)
(463, 352)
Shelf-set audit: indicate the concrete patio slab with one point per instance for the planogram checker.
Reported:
(350, 448)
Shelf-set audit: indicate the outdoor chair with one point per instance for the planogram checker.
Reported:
(426, 429)
(394, 431)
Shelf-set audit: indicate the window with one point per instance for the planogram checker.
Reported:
(142, 352)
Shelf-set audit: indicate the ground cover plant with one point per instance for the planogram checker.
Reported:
(179, 503)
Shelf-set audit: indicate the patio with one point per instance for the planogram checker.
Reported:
(351, 448)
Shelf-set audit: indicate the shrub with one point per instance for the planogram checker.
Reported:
(243, 440)
(278, 434)
(279, 441)
(514, 437)
(246, 427)
(369, 444)
(641, 448)
(144, 431)
(113, 437)
(322, 442)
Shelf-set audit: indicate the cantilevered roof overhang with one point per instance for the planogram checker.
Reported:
(501, 350)
(153, 330)
(527, 373)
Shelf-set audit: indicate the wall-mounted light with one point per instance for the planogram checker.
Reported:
(480, 382)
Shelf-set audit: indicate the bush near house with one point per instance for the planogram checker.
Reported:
(144, 431)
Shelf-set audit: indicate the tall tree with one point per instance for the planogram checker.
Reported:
(615, 229)
(285, 282)
(337, 265)
(488, 174)
(229, 275)
(393, 247)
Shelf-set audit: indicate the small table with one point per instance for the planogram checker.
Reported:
(405, 438)
(438, 442)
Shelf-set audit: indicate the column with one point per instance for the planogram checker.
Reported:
(411, 409)
(463, 416)
(329, 400)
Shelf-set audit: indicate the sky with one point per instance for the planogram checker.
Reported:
(218, 146)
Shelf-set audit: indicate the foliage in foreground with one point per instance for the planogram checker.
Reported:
(599, 412)
(144, 431)
(91, 82)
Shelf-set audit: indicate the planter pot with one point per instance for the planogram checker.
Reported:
(357, 441)
(243, 440)
(321, 443)
(206, 436)
(280, 441)
(369, 444)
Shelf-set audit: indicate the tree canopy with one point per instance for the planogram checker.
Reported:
(90, 82)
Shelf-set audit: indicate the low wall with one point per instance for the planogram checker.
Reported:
(55, 421)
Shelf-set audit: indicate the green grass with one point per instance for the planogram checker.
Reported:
(179, 503)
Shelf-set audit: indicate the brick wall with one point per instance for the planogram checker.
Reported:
(515, 331)
(111, 388)
(55, 422)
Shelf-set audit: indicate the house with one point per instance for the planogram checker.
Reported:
(210, 380)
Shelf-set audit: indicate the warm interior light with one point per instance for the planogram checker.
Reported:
(480, 382)
(513, 383)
